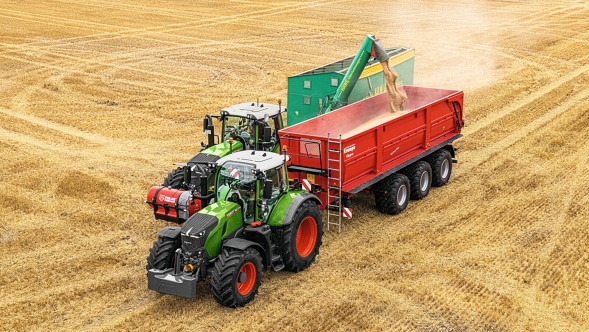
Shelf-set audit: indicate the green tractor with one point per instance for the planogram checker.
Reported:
(245, 126)
(257, 222)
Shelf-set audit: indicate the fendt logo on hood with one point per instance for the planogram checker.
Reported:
(167, 199)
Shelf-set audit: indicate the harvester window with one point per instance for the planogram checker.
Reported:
(306, 100)
(307, 84)
(334, 82)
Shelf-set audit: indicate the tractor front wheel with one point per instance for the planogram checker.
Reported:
(161, 255)
(236, 277)
(392, 194)
(302, 237)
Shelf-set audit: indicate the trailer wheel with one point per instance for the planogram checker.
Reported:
(441, 162)
(392, 194)
(420, 179)
(302, 237)
(174, 179)
(161, 255)
(236, 277)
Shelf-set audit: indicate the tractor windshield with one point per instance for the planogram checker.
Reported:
(239, 128)
(237, 183)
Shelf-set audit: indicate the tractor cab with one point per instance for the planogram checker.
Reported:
(254, 180)
(254, 125)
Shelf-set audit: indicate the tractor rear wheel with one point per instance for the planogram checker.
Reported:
(441, 162)
(236, 277)
(301, 238)
(174, 179)
(420, 179)
(161, 255)
(391, 194)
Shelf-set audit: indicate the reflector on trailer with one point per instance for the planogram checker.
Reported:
(307, 185)
(347, 213)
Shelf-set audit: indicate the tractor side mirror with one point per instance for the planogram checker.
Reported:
(267, 134)
(267, 189)
(187, 175)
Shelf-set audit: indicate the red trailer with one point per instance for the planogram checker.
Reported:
(363, 146)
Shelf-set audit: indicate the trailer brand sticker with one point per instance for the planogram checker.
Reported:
(232, 212)
(350, 148)
(167, 199)
(349, 151)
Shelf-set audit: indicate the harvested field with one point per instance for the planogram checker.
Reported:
(99, 98)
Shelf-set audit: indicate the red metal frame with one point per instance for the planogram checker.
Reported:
(374, 140)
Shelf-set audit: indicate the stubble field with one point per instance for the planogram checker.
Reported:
(98, 99)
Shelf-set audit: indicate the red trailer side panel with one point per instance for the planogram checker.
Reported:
(374, 140)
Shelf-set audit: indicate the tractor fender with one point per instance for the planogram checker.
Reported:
(294, 205)
(242, 244)
(169, 232)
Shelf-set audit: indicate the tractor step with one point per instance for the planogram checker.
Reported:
(277, 259)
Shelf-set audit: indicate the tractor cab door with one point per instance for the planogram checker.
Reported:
(237, 183)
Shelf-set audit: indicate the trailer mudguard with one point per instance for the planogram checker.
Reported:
(169, 232)
(242, 244)
(286, 207)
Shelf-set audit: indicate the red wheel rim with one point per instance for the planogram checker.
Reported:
(247, 271)
(306, 236)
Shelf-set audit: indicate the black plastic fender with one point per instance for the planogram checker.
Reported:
(294, 205)
(242, 244)
(169, 232)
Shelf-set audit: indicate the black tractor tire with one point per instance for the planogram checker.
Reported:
(175, 179)
(420, 179)
(161, 255)
(441, 162)
(302, 238)
(236, 277)
(392, 193)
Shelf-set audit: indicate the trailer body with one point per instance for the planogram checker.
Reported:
(359, 144)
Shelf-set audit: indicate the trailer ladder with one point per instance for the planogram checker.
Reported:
(334, 182)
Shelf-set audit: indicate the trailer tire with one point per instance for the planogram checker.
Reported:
(174, 179)
(302, 237)
(161, 255)
(236, 277)
(420, 179)
(392, 194)
(441, 163)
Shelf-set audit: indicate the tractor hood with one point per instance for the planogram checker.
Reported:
(222, 149)
(196, 230)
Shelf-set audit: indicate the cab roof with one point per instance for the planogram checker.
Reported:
(255, 109)
(262, 160)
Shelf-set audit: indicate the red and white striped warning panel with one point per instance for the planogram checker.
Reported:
(347, 213)
(307, 185)
(235, 173)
